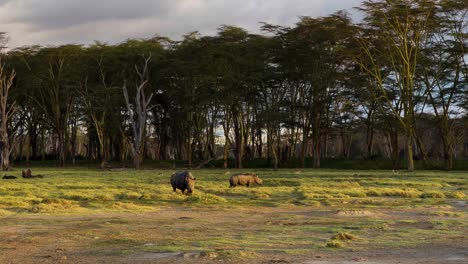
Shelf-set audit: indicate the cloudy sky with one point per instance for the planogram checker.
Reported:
(58, 22)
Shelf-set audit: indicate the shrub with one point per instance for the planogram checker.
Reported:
(334, 244)
(456, 195)
(344, 236)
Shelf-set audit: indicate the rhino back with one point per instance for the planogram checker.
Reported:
(178, 178)
(244, 179)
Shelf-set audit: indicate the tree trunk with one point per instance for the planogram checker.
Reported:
(260, 142)
(28, 144)
(448, 153)
(305, 143)
(238, 139)
(43, 144)
(448, 159)
(316, 150)
(344, 143)
(189, 151)
(369, 137)
(275, 157)
(137, 160)
(395, 148)
(5, 145)
(227, 143)
(421, 147)
(212, 143)
(33, 135)
(7, 111)
(73, 141)
(103, 155)
(409, 148)
(139, 112)
(325, 145)
(62, 150)
(226, 153)
(316, 141)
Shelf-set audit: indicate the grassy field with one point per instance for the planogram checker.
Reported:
(293, 212)
(90, 191)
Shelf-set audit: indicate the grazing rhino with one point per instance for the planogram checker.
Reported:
(183, 180)
(244, 179)
(27, 174)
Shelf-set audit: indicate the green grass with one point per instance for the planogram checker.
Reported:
(299, 211)
(79, 190)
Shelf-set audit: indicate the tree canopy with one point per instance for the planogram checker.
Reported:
(323, 88)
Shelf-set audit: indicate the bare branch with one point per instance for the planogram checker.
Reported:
(139, 111)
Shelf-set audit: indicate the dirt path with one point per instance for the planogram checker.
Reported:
(241, 235)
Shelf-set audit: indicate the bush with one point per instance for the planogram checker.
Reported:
(334, 244)
(456, 195)
(344, 236)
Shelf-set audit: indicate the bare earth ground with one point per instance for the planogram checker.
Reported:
(142, 237)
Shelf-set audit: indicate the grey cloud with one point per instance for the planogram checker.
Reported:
(83, 21)
(51, 14)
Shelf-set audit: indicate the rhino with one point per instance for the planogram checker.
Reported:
(184, 181)
(244, 179)
(27, 174)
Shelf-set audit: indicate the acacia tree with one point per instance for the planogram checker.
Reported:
(229, 59)
(139, 111)
(97, 102)
(401, 29)
(7, 110)
(311, 62)
(190, 96)
(55, 88)
(442, 70)
(264, 92)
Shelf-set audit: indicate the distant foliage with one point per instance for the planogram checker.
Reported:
(389, 91)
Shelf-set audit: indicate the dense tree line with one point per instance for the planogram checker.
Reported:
(316, 90)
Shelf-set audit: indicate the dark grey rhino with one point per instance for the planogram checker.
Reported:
(183, 180)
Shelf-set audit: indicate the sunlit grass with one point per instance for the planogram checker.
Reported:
(298, 211)
(79, 190)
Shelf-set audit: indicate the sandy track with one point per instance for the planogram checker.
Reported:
(111, 238)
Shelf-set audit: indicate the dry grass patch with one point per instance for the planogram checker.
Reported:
(344, 236)
(335, 244)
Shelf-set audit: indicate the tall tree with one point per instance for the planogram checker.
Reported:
(441, 70)
(401, 28)
(7, 110)
(55, 88)
(138, 111)
(312, 60)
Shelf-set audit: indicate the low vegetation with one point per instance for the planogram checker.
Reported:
(128, 212)
(77, 190)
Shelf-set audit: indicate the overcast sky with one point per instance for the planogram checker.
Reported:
(56, 22)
